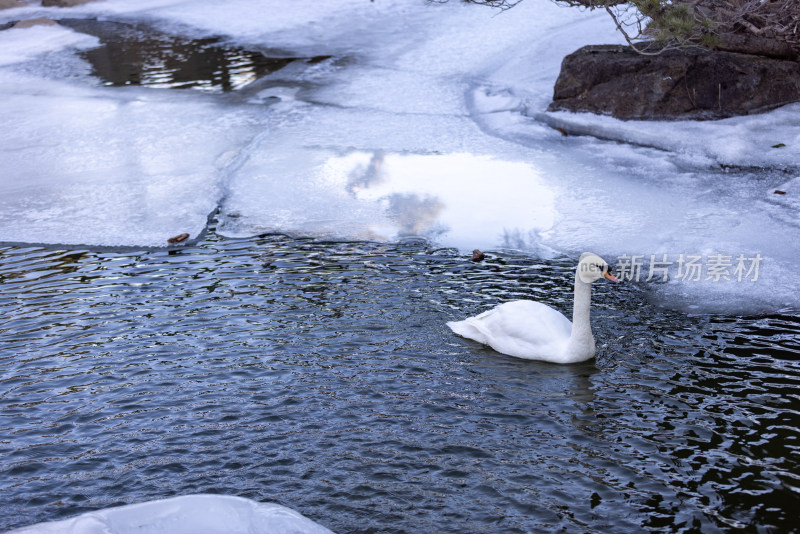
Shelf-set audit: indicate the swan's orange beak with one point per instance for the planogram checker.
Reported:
(610, 276)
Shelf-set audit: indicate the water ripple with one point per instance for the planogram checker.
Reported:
(321, 376)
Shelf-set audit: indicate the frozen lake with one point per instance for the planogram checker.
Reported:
(334, 173)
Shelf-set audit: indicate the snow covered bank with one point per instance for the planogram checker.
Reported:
(766, 140)
(191, 514)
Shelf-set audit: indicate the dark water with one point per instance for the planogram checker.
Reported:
(136, 54)
(322, 376)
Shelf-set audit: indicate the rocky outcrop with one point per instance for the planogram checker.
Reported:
(676, 84)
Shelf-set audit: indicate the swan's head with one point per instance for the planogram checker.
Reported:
(592, 267)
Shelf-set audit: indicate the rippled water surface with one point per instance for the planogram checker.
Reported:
(322, 376)
(139, 55)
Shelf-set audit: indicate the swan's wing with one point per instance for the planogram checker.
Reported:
(522, 328)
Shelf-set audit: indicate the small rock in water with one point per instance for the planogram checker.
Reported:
(779, 192)
(180, 238)
(477, 255)
(29, 23)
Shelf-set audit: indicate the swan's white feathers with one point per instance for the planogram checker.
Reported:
(520, 328)
(531, 330)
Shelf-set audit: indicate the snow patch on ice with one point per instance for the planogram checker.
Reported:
(748, 141)
(192, 514)
(23, 44)
(88, 166)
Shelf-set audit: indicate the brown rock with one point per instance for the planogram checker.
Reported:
(477, 255)
(64, 3)
(41, 21)
(676, 84)
(753, 44)
(180, 238)
(8, 4)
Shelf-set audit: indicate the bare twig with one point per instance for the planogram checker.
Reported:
(678, 23)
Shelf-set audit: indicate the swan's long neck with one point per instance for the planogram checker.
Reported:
(581, 341)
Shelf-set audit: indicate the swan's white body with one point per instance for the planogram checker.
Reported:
(535, 331)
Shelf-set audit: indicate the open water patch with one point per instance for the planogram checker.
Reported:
(321, 376)
(138, 54)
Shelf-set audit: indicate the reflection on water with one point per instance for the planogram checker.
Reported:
(322, 376)
(428, 194)
(361, 176)
(463, 199)
(139, 55)
(413, 214)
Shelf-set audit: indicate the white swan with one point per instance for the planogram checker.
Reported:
(535, 331)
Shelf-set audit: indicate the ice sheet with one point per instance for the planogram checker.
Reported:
(768, 140)
(191, 514)
(18, 45)
(123, 168)
(449, 99)
(379, 196)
